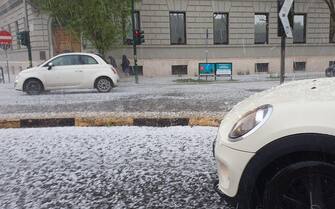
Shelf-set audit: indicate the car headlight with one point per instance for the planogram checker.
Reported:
(250, 122)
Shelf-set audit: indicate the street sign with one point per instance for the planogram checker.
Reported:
(5, 38)
(224, 69)
(284, 17)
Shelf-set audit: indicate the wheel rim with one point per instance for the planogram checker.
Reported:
(307, 191)
(104, 85)
(34, 87)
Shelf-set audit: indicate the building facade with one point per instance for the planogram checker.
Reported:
(13, 19)
(180, 34)
(47, 38)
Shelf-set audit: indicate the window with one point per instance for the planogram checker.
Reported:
(10, 31)
(262, 68)
(299, 66)
(179, 69)
(87, 60)
(43, 55)
(261, 28)
(177, 28)
(299, 29)
(66, 60)
(139, 70)
(220, 28)
(332, 30)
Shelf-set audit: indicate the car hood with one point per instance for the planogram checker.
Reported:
(30, 70)
(299, 92)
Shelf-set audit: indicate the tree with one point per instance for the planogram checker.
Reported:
(102, 22)
(331, 6)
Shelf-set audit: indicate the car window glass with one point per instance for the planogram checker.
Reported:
(66, 60)
(87, 60)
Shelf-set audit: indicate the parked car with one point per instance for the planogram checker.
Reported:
(276, 149)
(330, 71)
(68, 71)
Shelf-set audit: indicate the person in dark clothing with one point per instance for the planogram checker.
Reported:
(112, 61)
(125, 65)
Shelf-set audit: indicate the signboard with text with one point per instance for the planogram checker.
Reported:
(216, 69)
(224, 69)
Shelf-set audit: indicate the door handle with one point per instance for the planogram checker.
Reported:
(78, 71)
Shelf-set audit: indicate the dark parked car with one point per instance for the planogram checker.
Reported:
(330, 72)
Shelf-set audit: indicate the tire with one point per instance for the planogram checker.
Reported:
(33, 87)
(304, 185)
(104, 85)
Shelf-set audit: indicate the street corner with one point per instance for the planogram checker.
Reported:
(96, 122)
(205, 121)
(10, 123)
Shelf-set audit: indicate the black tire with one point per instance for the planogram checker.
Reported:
(104, 84)
(33, 87)
(304, 185)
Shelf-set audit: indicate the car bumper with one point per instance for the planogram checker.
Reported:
(18, 85)
(231, 164)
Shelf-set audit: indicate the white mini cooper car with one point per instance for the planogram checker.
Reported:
(68, 71)
(276, 149)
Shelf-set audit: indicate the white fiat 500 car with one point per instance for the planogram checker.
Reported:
(276, 149)
(68, 71)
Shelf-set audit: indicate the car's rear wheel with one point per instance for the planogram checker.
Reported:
(104, 85)
(33, 87)
(304, 185)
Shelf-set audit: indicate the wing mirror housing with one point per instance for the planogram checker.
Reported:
(50, 65)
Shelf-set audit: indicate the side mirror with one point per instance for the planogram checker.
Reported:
(50, 65)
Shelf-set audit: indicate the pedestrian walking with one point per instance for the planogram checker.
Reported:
(125, 65)
(112, 61)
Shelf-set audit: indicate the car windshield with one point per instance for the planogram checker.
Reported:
(123, 104)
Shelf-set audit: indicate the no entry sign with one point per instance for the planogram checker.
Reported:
(5, 38)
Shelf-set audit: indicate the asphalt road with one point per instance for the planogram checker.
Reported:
(117, 167)
(151, 95)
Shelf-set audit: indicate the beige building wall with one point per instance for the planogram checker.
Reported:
(12, 18)
(157, 55)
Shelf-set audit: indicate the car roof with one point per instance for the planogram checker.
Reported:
(78, 53)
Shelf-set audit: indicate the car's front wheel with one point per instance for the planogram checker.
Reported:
(302, 185)
(33, 87)
(104, 85)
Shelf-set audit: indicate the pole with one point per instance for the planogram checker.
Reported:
(282, 59)
(7, 65)
(207, 36)
(134, 42)
(26, 27)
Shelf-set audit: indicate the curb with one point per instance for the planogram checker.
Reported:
(109, 121)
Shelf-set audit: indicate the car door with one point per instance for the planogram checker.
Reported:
(64, 73)
(90, 68)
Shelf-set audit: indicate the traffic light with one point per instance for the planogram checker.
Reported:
(139, 37)
(281, 31)
(24, 38)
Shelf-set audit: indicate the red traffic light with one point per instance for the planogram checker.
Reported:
(137, 33)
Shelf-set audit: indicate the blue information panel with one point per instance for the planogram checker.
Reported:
(206, 69)
(224, 69)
